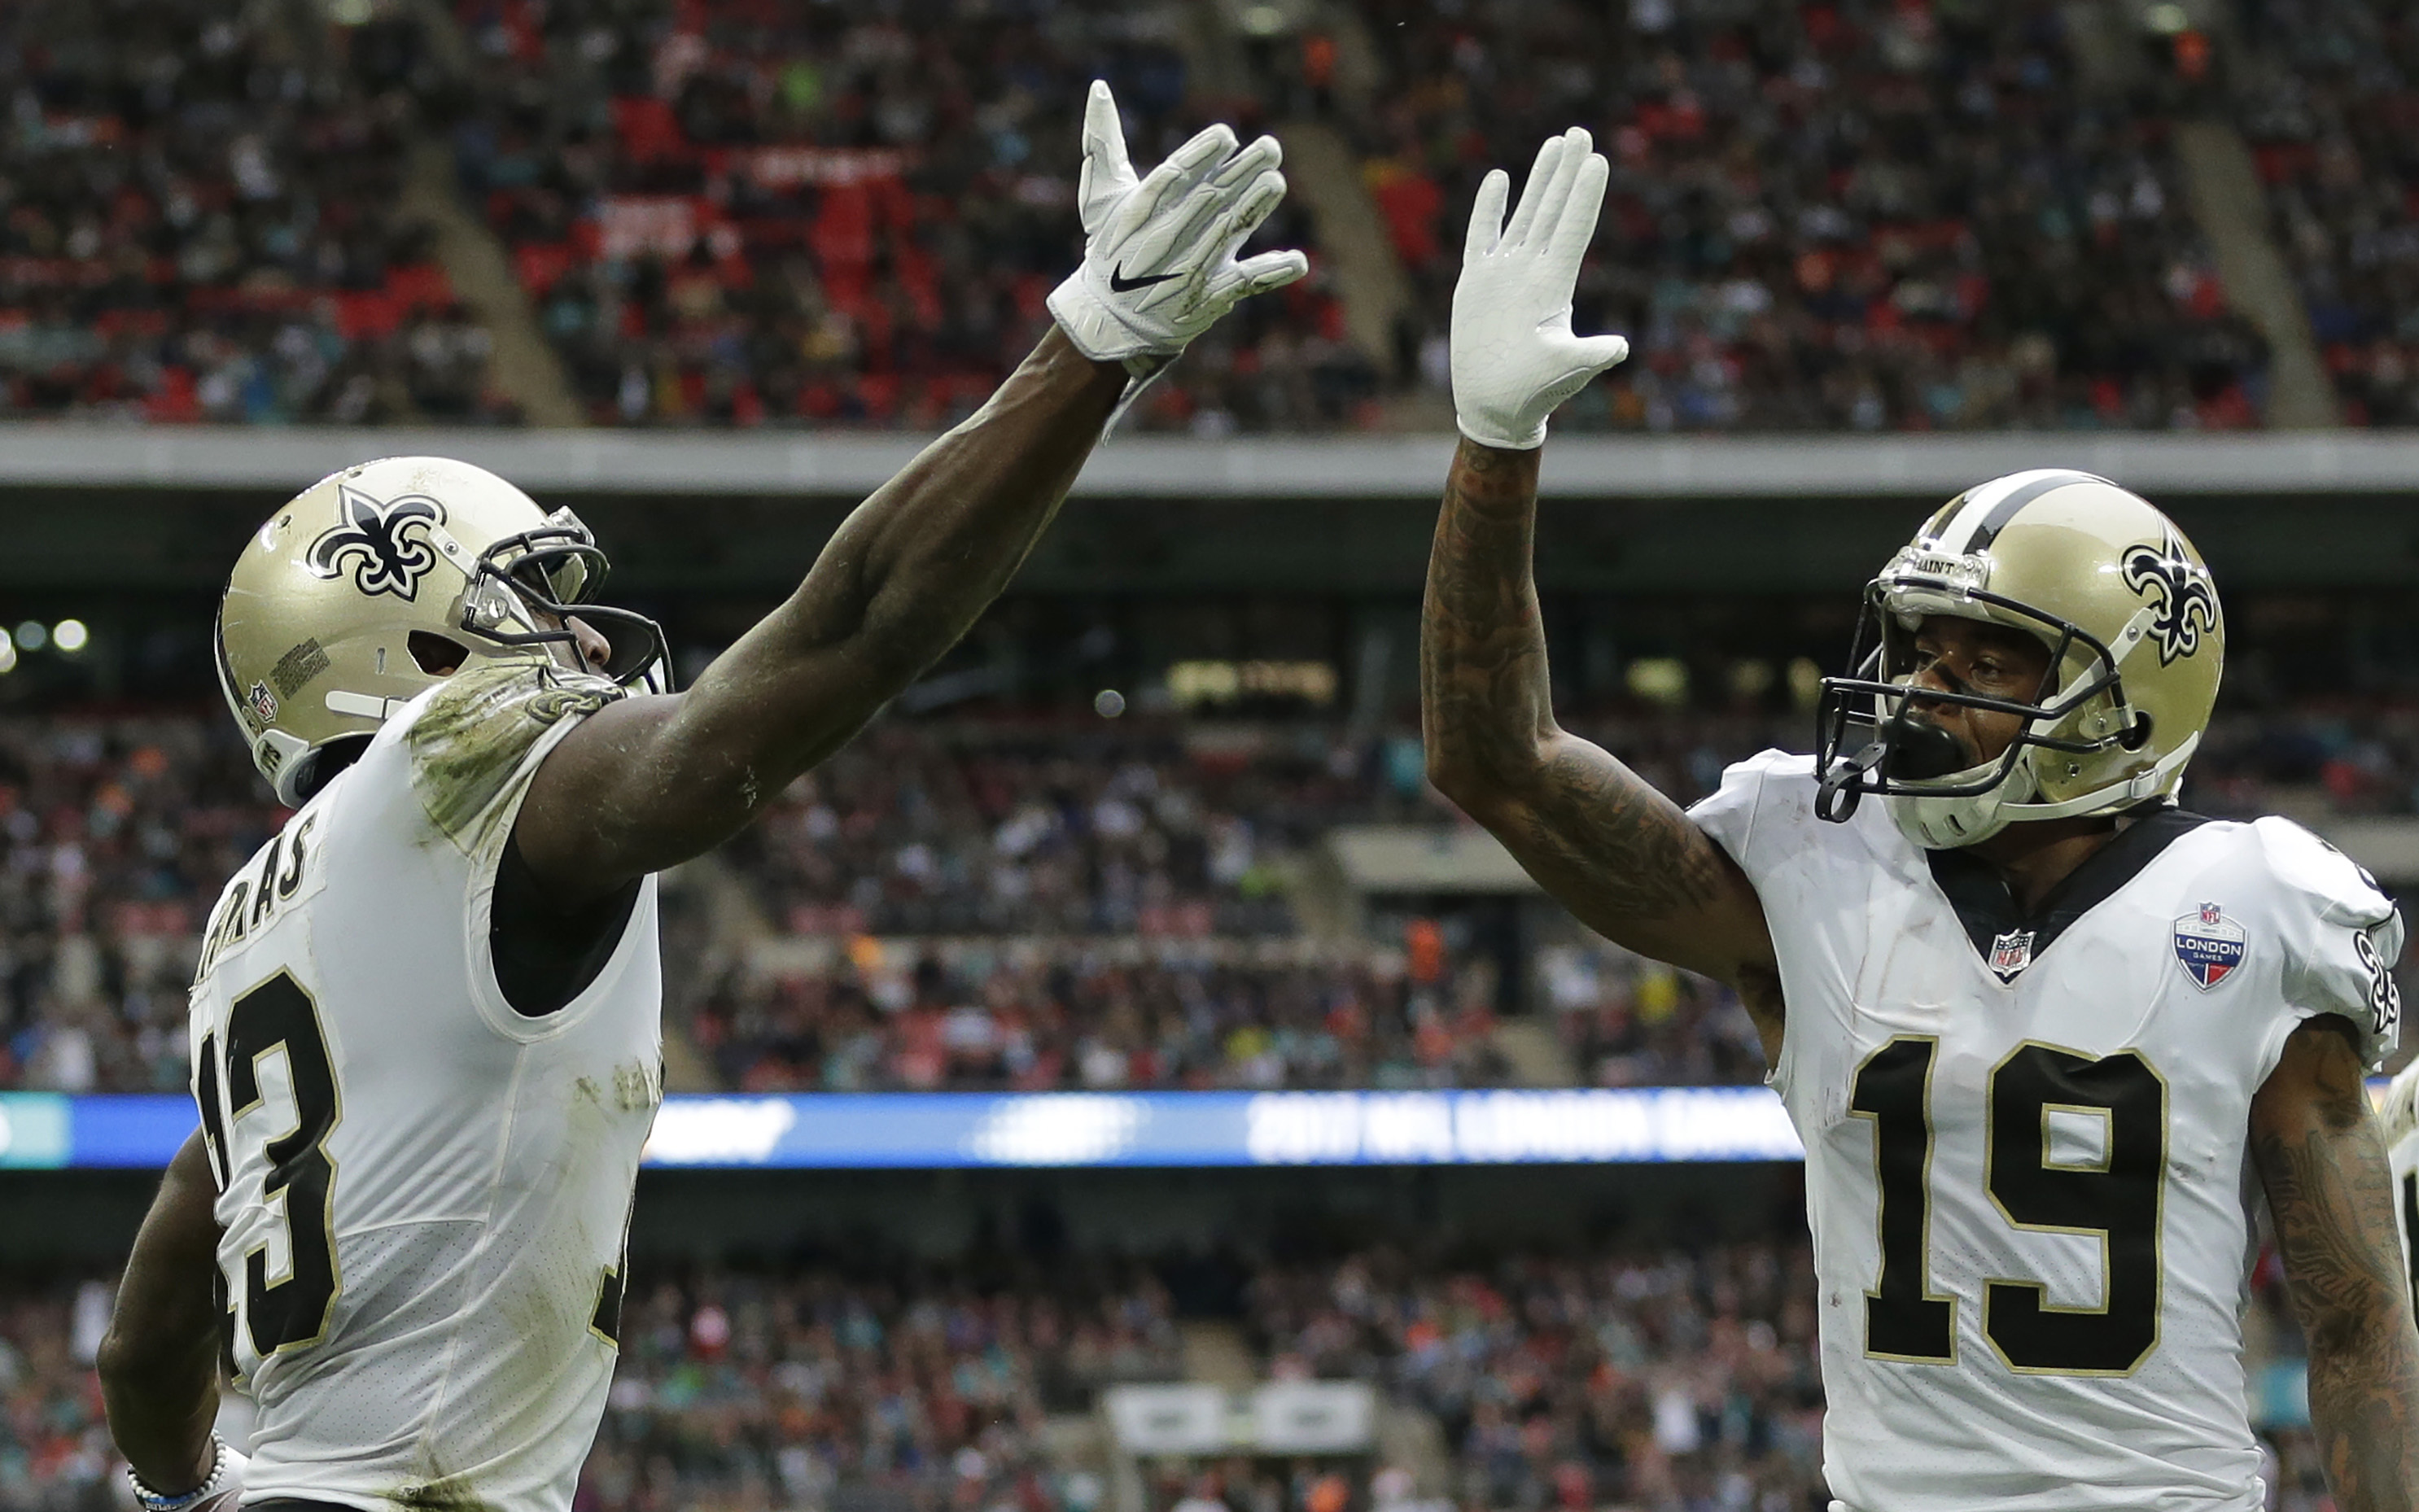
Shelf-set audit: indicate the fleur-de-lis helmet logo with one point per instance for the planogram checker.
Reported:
(386, 545)
(2182, 605)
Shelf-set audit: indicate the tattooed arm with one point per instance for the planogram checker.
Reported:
(2323, 1166)
(1618, 854)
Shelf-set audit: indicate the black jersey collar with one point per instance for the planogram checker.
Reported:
(1987, 906)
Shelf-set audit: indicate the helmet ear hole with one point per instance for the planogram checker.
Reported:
(2139, 736)
(436, 655)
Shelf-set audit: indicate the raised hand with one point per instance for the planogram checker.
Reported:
(1514, 356)
(1159, 251)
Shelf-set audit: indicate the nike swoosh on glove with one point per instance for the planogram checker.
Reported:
(1159, 251)
(1514, 355)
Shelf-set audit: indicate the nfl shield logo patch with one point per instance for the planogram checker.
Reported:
(264, 703)
(2011, 954)
(2209, 945)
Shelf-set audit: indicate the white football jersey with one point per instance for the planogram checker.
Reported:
(2027, 1168)
(425, 1195)
(2400, 1116)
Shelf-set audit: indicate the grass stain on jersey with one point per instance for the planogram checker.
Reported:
(474, 733)
(637, 1087)
(452, 1494)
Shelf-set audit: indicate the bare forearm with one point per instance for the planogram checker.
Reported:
(647, 783)
(159, 1363)
(159, 1415)
(2330, 1194)
(914, 565)
(1485, 692)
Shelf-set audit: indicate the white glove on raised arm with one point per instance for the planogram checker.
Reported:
(1514, 355)
(1159, 253)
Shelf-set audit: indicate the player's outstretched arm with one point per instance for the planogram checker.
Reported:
(158, 1361)
(2323, 1162)
(1619, 854)
(651, 781)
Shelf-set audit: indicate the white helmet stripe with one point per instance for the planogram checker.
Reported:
(1988, 506)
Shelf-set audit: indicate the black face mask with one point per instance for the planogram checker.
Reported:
(1867, 742)
(556, 570)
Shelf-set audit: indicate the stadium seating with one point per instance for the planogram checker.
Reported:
(118, 835)
(823, 1387)
(1677, 1376)
(736, 212)
(201, 222)
(919, 832)
(1023, 1016)
(985, 904)
(1857, 216)
(915, 1389)
(1685, 1378)
(2330, 97)
(1863, 218)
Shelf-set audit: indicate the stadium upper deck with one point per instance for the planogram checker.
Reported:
(1853, 216)
(200, 221)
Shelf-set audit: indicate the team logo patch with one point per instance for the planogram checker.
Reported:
(2183, 604)
(263, 703)
(2011, 954)
(386, 545)
(2209, 945)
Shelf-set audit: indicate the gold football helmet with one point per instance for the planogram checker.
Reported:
(380, 581)
(2136, 646)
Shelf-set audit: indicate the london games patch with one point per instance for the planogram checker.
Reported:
(2209, 945)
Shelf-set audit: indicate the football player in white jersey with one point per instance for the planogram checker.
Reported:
(425, 1036)
(2400, 1117)
(2047, 1038)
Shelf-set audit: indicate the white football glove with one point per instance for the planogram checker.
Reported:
(1159, 253)
(1514, 355)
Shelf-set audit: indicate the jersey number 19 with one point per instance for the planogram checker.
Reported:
(2114, 1195)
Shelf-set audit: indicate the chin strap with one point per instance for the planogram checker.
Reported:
(1843, 786)
(2149, 782)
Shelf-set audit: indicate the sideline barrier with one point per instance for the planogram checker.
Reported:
(974, 1129)
(932, 1131)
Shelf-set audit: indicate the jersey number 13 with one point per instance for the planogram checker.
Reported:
(2114, 1196)
(278, 1016)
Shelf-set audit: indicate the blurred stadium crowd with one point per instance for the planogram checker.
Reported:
(1641, 1377)
(1851, 215)
(1858, 215)
(978, 906)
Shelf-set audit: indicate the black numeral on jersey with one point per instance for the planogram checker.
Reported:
(1903, 1321)
(205, 1093)
(2114, 1194)
(2410, 1232)
(279, 1015)
(606, 1320)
